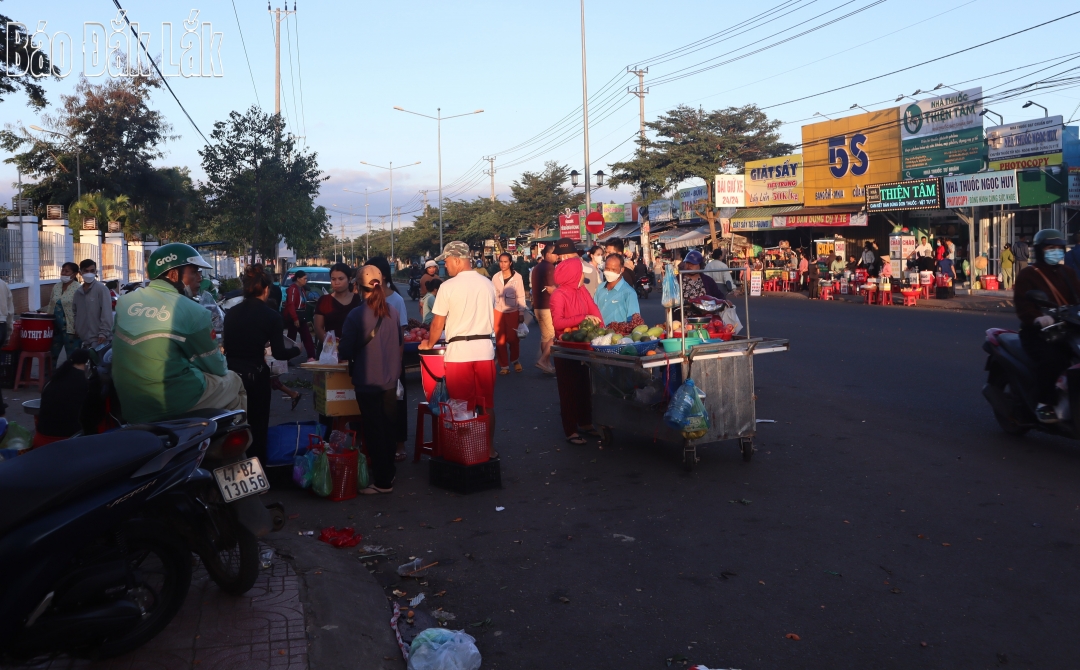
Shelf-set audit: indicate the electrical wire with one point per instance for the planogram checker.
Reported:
(244, 43)
(300, 70)
(278, 98)
(292, 82)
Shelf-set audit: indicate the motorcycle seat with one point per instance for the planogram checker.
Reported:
(51, 475)
(1010, 342)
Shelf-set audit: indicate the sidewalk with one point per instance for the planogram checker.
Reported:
(962, 302)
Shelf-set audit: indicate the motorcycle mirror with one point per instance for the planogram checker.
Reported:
(1039, 298)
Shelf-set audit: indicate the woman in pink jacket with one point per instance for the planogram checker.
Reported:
(571, 304)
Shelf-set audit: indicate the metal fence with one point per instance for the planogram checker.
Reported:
(50, 255)
(112, 262)
(84, 251)
(136, 265)
(11, 267)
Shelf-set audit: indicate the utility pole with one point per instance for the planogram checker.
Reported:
(585, 112)
(640, 93)
(392, 231)
(491, 171)
(424, 194)
(342, 241)
(278, 15)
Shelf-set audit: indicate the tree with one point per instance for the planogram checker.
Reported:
(260, 186)
(541, 197)
(695, 144)
(22, 64)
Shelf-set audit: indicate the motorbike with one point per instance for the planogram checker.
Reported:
(95, 539)
(1010, 387)
(414, 288)
(643, 286)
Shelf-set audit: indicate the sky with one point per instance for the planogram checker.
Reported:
(346, 65)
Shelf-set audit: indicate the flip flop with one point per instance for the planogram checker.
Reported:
(549, 371)
(400, 456)
(296, 401)
(576, 439)
(374, 490)
(517, 367)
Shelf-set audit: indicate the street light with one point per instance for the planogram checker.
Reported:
(860, 107)
(574, 175)
(438, 120)
(78, 169)
(985, 111)
(391, 189)
(1046, 112)
(367, 221)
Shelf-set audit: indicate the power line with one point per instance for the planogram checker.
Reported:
(154, 63)
(292, 82)
(252, 74)
(300, 70)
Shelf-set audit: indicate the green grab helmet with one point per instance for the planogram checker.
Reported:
(173, 255)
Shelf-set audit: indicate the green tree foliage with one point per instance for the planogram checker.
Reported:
(540, 197)
(692, 143)
(260, 185)
(22, 64)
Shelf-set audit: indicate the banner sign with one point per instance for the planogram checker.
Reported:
(570, 226)
(511, 245)
(904, 195)
(985, 188)
(774, 181)
(1027, 162)
(1074, 187)
(730, 190)
(755, 282)
(614, 213)
(660, 211)
(690, 199)
(1026, 138)
(942, 135)
(816, 220)
(842, 157)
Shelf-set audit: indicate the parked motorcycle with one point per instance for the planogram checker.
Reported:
(414, 288)
(1010, 386)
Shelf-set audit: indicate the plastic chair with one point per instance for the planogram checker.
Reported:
(44, 359)
(910, 299)
(825, 292)
(885, 297)
(869, 295)
(420, 446)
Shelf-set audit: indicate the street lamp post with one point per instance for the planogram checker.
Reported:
(985, 111)
(1046, 112)
(391, 189)
(78, 168)
(585, 110)
(438, 120)
(367, 221)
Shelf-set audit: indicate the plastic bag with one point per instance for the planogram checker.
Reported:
(363, 477)
(522, 330)
(731, 318)
(670, 296)
(439, 395)
(686, 412)
(329, 350)
(303, 468)
(460, 410)
(346, 537)
(400, 390)
(321, 481)
(442, 649)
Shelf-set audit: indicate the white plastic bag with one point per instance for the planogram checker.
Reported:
(329, 350)
(729, 317)
(400, 391)
(522, 330)
(442, 649)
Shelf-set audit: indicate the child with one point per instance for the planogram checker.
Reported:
(428, 301)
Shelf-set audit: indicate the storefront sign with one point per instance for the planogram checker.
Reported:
(904, 195)
(614, 213)
(1026, 138)
(774, 181)
(690, 200)
(842, 157)
(730, 190)
(660, 211)
(511, 245)
(570, 226)
(1074, 187)
(985, 188)
(755, 282)
(816, 220)
(1028, 162)
(942, 135)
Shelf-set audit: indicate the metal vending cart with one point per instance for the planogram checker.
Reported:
(631, 393)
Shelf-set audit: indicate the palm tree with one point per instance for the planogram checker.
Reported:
(90, 206)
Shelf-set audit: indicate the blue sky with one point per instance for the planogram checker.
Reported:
(521, 63)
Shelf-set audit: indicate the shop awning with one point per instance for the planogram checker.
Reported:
(690, 239)
(621, 230)
(820, 217)
(758, 218)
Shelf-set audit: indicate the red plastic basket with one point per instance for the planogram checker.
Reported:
(464, 442)
(343, 474)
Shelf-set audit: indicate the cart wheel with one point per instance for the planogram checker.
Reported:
(606, 439)
(746, 444)
(689, 457)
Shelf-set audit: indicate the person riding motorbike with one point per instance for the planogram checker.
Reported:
(165, 361)
(1061, 285)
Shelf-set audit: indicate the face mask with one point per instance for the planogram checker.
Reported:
(1054, 256)
(598, 260)
(612, 276)
(66, 280)
(89, 277)
(190, 292)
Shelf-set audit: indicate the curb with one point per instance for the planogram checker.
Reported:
(958, 304)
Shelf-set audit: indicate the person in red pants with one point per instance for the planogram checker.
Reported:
(570, 305)
(509, 313)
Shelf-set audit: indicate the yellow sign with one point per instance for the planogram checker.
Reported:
(1042, 161)
(774, 181)
(844, 156)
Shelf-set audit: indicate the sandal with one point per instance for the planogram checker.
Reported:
(576, 439)
(374, 490)
(517, 367)
(400, 456)
(296, 401)
(504, 371)
(549, 371)
(590, 430)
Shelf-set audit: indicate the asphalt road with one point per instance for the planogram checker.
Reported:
(889, 522)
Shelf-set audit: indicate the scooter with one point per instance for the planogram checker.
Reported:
(643, 286)
(414, 288)
(93, 539)
(1010, 386)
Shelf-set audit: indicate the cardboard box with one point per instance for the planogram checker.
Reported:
(333, 389)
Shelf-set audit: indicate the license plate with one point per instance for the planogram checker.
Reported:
(241, 479)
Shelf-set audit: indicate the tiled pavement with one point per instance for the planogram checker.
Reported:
(264, 628)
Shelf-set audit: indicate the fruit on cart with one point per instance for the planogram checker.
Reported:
(628, 351)
(656, 332)
(416, 334)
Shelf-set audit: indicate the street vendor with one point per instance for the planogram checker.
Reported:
(570, 305)
(616, 299)
(698, 284)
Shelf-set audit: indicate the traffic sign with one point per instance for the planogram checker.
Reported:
(594, 223)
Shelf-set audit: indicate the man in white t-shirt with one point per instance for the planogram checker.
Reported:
(924, 250)
(465, 307)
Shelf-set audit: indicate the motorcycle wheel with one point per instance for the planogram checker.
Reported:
(1008, 424)
(161, 576)
(642, 293)
(231, 554)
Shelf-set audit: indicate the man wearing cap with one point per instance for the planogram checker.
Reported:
(542, 282)
(165, 360)
(431, 272)
(465, 308)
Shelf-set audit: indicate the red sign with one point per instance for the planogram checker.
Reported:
(594, 223)
(819, 220)
(570, 226)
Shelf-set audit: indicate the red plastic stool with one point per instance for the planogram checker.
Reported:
(911, 300)
(44, 360)
(868, 296)
(825, 292)
(885, 297)
(431, 447)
